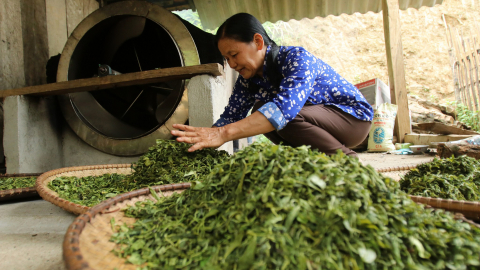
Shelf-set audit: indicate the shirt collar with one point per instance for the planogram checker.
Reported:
(265, 77)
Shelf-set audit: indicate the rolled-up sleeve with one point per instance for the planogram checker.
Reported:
(299, 70)
(274, 115)
(239, 104)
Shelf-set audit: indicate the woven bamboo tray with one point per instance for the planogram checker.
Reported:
(18, 193)
(396, 173)
(86, 244)
(82, 171)
(469, 209)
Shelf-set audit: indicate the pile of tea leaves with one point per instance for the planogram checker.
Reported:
(456, 178)
(17, 182)
(278, 207)
(89, 190)
(170, 162)
(167, 162)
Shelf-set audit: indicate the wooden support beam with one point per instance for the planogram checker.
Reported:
(35, 41)
(427, 139)
(114, 81)
(396, 68)
(446, 150)
(440, 128)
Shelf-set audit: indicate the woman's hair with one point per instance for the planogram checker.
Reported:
(242, 27)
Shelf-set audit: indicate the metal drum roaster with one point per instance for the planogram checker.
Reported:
(124, 37)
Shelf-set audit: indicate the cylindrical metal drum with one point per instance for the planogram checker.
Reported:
(127, 36)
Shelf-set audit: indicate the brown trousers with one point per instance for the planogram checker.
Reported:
(325, 128)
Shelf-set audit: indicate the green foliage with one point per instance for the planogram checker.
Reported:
(90, 190)
(17, 182)
(278, 207)
(170, 162)
(193, 18)
(468, 117)
(262, 139)
(167, 162)
(456, 178)
(281, 33)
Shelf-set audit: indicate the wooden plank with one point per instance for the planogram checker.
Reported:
(441, 128)
(468, 59)
(427, 139)
(396, 66)
(451, 55)
(11, 48)
(35, 41)
(459, 67)
(446, 150)
(473, 54)
(465, 71)
(476, 53)
(114, 81)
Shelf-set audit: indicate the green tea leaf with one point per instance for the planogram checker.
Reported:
(135, 258)
(167, 162)
(367, 255)
(317, 181)
(260, 209)
(456, 178)
(138, 244)
(418, 245)
(17, 182)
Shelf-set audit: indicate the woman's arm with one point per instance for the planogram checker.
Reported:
(238, 105)
(201, 138)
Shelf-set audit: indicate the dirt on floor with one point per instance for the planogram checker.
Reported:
(384, 160)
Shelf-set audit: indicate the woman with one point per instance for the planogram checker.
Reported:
(297, 99)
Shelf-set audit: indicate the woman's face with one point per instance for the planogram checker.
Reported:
(246, 58)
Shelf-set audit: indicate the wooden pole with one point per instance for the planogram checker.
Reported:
(460, 69)
(396, 68)
(468, 84)
(473, 71)
(451, 53)
(114, 81)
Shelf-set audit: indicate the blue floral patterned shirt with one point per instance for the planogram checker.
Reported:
(305, 79)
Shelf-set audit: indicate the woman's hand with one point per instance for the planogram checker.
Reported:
(200, 137)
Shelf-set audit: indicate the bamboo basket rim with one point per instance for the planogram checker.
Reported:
(53, 197)
(397, 168)
(18, 193)
(72, 254)
(470, 209)
(49, 195)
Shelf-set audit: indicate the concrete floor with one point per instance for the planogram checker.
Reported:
(384, 160)
(31, 235)
(31, 232)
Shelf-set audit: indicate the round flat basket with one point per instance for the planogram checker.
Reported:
(82, 171)
(18, 193)
(396, 173)
(86, 244)
(469, 209)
